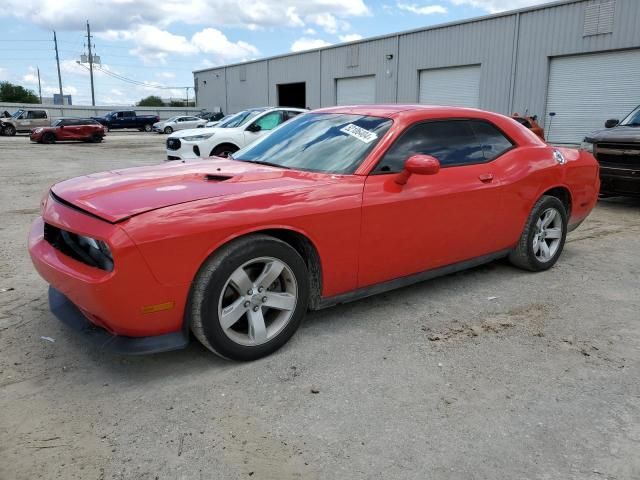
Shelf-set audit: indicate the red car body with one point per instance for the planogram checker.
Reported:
(69, 130)
(162, 222)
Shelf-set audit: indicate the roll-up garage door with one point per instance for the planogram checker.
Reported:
(356, 90)
(586, 90)
(456, 86)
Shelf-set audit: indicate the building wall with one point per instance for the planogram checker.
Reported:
(514, 51)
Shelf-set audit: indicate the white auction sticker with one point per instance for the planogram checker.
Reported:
(360, 133)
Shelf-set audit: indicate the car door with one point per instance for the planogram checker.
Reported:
(263, 125)
(65, 130)
(432, 220)
(129, 119)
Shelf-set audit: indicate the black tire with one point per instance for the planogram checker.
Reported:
(48, 137)
(207, 289)
(96, 138)
(10, 130)
(523, 256)
(148, 128)
(168, 130)
(223, 150)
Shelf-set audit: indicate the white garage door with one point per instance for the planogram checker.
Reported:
(586, 90)
(356, 90)
(456, 86)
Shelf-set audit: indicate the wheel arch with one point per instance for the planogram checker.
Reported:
(563, 194)
(223, 143)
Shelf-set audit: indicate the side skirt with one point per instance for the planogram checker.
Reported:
(369, 291)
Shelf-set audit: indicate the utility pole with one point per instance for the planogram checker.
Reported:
(187, 103)
(93, 96)
(39, 86)
(55, 42)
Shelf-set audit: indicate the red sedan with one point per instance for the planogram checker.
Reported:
(335, 205)
(64, 129)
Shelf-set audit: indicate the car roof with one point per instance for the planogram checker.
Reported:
(393, 110)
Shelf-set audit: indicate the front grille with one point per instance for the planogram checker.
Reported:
(626, 155)
(69, 244)
(173, 143)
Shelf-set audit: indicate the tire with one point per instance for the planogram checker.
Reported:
(213, 292)
(96, 138)
(168, 130)
(541, 245)
(148, 128)
(106, 128)
(223, 150)
(10, 130)
(48, 138)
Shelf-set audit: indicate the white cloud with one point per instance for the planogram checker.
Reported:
(422, 9)
(4, 74)
(494, 6)
(310, 31)
(215, 42)
(351, 37)
(126, 14)
(167, 75)
(308, 44)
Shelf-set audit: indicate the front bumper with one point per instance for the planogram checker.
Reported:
(65, 311)
(128, 301)
(620, 181)
(185, 152)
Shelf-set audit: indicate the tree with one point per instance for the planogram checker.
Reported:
(16, 94)
(151, 101)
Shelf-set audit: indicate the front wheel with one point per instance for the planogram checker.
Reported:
(168, 130)
(10, 130)
(148, 128)
(96, 138)
(223, 150)
(48, 138)
(543, 238)
(249, 298)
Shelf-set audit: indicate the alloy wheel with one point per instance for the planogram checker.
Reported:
(257, 301)
(548, 235)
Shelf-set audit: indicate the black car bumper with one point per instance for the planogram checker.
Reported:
(620, 181)
(70, 315)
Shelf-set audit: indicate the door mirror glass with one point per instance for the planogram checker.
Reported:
(254, 127)
(612, 122)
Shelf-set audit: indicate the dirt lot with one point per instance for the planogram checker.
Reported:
(494, 373)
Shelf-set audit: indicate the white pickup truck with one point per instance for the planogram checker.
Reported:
(24, 120)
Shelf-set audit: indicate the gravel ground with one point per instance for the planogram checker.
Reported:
(493, 373)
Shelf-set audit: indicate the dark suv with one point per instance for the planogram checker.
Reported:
(617, 149)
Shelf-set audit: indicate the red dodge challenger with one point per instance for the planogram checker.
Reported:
(64, 129)
(334, 205)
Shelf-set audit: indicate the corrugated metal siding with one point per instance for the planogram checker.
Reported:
(213, 93)
(304, 67)
(558, 31)
(251, 92)
(488, 43)
(372, 60)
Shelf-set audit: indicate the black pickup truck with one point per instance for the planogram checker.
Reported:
(128, 119)
(617, 149)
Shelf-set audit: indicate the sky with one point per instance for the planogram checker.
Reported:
(151, 47)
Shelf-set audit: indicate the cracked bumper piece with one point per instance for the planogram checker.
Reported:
(70, 315)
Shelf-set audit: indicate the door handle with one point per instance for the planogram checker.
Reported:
(486, 177)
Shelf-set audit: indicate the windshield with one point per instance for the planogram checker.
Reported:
(172, 119)
(57, 123)
(17, 114)
(239, 119)
(633, 119)
(318, 142)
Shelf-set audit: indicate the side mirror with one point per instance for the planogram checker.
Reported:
(612, 122)
(418, 165)
(254, 127)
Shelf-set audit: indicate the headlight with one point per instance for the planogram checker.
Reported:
(586, 146)
(195, 138)
(97, 250)
(38, 130)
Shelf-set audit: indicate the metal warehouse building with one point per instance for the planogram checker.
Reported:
(579, 59)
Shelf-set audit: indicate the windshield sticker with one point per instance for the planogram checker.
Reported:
(360, 133)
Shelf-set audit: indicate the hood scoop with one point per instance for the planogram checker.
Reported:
(211, 177)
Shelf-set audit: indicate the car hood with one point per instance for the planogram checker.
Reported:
(193, 131)
(118, 195)
(620, 134)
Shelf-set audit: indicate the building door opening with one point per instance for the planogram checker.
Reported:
(292, 95)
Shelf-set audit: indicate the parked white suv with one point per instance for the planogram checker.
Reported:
(178, 123)
(230, 135)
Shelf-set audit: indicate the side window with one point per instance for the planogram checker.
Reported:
(120, 114)
(291, 113)
(129, 114)
(452, 142)
(180, 119)
(270, 120)
(37, 114)
(30, 114)
(492, 141)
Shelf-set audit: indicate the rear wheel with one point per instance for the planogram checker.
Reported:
(168, 130)
(49, 137)
(249, 298)
(223, 150)
(543, 238)
(148, 127)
